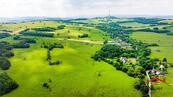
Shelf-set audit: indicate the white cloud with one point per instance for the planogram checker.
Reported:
(11, 8)
(69, 8)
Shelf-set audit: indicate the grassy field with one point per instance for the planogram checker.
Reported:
(134, 25)
(165, 46)
(77, 76)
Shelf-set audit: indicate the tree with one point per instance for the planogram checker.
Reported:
(130, 72)
(164, 60)
(83, 36)
(6, 84)
(4, 63)
(48, 55)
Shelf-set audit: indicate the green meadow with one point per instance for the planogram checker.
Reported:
(164, 50)
(165, 44)
(77, 76)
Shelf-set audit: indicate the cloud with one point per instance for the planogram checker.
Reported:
(121, 7)
(71, 8)
(12, 8)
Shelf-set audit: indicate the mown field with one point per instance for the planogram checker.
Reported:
(77, 76)
(164, 50)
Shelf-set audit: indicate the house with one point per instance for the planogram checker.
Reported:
(123, 59)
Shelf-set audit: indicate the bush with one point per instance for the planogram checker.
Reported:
(27, 40)
(130, 72)
(5, 45)
(55, 63)
(4, 35)
(83, 36)
(16, 38)
(140, 85)
(6, 53)
(4, 63)
(22, 44)
(60, 27)
(30, 33)
(153, 44)
(6, 84)
(45, 29)
(51, 46)
(171, 65)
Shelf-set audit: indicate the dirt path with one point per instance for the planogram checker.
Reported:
(86, 41)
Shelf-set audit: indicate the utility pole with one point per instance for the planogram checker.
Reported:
(109, 13)
(109, 16)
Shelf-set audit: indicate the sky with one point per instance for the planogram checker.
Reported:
(84, 8)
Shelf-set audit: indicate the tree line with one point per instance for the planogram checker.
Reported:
(50, 47)
(6, 83)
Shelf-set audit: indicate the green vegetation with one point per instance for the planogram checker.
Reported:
(163, 50)
(45, 29)
(6, 84)
(97, 57)
(4, 35)
(83, 36)
(72, 70)
(164, 41)
(28, 33)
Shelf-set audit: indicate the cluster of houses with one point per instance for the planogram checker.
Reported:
(157, 72)
(119, 42)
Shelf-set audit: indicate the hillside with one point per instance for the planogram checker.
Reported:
(97, 57)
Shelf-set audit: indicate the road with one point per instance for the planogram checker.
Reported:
(149, 83)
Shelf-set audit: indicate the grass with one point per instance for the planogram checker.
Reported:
(134, 25)
(165, 46)
(77, 76)
(167, 88)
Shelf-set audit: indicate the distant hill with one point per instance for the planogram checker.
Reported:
(26, 19)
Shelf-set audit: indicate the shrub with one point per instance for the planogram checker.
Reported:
(45, 29)
(4, 63)
(140, 85)
(60, 27)
(55, 63)
(83, 36)
(130, 72)
(22, 44)
(5, 45)
(51, 46)
(6, 53)
(30, 33)
(6, 84)
(4, 35)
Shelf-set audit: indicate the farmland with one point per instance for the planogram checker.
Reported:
(77, 76)
(87, 57)
(165, 50)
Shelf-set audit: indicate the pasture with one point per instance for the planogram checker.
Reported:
(164, 50)
(77, 76)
